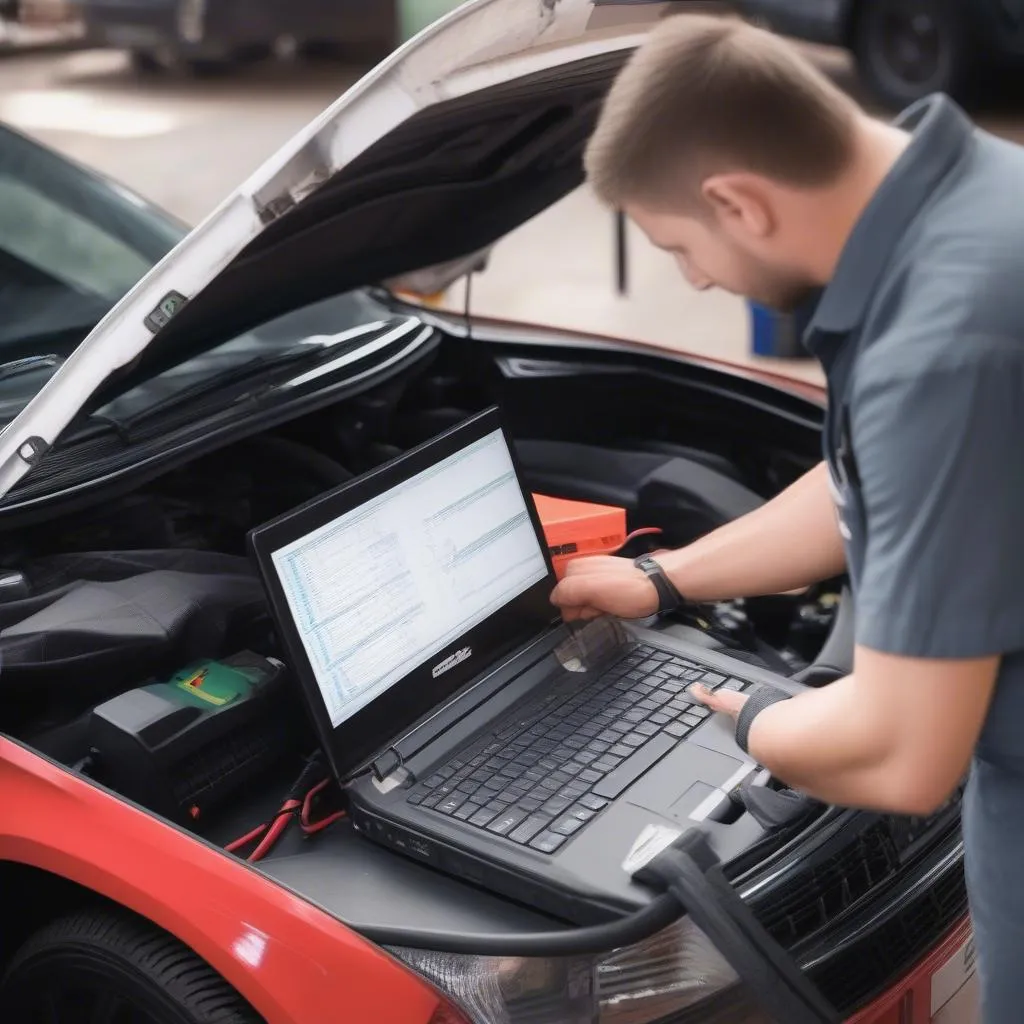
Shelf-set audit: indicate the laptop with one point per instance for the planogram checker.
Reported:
(472, 729)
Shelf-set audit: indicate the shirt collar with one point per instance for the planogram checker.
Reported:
(941, 132)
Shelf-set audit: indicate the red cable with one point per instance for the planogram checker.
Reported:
(272, 831)
(312, 827)
(247, 838)
(646, 531)
(280, 823)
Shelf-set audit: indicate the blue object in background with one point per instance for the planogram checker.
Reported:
(777, 334)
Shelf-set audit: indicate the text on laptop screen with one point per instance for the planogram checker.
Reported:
(383, 588)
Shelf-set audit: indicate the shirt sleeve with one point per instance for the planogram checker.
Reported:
(940, 456)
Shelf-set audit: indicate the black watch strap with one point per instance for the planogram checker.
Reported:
(669, 598)
(759, 699)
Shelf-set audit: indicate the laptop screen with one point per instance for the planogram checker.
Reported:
(391, 584)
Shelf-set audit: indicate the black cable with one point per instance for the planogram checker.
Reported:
(661, 912)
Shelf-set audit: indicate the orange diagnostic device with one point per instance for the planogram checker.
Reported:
(575, 528)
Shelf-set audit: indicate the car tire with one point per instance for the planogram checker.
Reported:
(145, 62)
(907, 49)
(105, 965)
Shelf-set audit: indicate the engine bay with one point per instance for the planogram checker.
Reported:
(107, 602)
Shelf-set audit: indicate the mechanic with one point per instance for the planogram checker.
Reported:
(733, 153)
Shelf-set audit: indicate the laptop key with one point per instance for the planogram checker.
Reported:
(691, 720)
(636, 739)
(548, 842)
(567, 826)
(678, 729)
(647, 729)
(557, 804)
(712, 679)
(618, 781)
(533, 825)
(583, 813)
(415, 798)
(590, 776)
(466, 811)
(607, 763)
(505, 822)
(483, 816)
(593, 802)
(451, 805)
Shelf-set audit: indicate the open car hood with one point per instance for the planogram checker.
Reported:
(460, 136)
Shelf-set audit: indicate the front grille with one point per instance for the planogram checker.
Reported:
(865, 969)
(870, 869)
(811, 899)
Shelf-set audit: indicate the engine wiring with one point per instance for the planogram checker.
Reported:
(298, 805)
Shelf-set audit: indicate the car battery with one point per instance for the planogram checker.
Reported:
(185, 745)
(577, 528)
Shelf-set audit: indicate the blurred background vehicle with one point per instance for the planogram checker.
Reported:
(906, 49)
(206, 35)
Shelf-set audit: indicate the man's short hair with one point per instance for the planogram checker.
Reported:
(705, 94)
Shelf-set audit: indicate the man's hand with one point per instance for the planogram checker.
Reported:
(604, 585)
(728, 702)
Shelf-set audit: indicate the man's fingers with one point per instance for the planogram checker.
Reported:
(572, 592)
(728, 701)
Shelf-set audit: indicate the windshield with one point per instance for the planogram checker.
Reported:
(71, 245)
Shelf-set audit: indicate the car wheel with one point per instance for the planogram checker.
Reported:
(108, 967)
(144, 62)
(908, 49)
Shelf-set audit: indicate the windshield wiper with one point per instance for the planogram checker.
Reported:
(30, 364)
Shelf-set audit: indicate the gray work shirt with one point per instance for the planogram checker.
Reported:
(921, 334)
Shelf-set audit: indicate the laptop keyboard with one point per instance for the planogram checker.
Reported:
(552, 768)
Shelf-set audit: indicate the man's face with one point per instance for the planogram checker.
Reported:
(713, 252)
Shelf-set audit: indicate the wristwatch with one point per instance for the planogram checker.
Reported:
(669, 598)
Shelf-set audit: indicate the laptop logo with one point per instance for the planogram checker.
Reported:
(451, 661)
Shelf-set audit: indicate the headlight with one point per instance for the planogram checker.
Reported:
(659, 979)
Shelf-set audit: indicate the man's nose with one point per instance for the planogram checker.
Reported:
(696, 280)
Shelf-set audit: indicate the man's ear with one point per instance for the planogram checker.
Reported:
(740, 202)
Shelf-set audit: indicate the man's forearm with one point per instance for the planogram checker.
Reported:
(830, 744)
(791, 542)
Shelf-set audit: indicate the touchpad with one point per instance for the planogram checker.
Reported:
(684, 779)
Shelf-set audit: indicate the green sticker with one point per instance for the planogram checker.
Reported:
(169, 307)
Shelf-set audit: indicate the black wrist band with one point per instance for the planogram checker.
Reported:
(761, 698)
(669, 598)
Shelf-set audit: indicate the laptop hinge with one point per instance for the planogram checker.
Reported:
(386, 763)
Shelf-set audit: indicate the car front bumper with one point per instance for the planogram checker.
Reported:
(941, 989)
